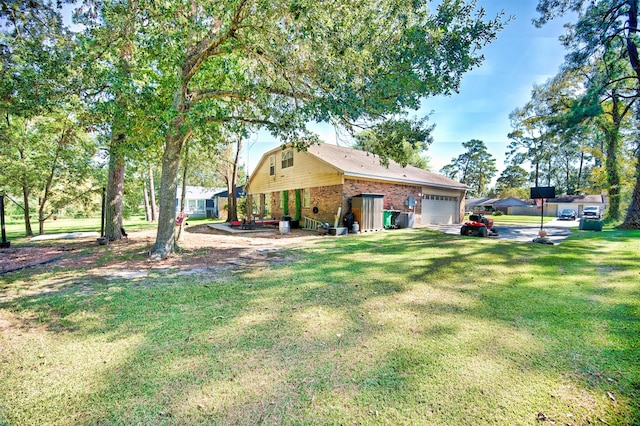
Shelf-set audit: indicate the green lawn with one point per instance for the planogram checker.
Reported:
(16, 232)
(520, 220)
(405, 327)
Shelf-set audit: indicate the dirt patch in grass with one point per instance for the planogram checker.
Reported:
(201, 248)
(17, 258)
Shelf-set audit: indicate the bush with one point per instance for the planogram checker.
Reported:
(243, 204)
(498, 213)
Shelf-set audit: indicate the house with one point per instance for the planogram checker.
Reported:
(328, 180)
(198, 201)
(490, 205)
(221, 199)
(575, 202)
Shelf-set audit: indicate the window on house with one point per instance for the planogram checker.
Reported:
(272, 165)
(306, 198)
(195, 206)
(287, 159)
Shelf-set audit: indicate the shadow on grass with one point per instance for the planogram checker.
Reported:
(402, 328)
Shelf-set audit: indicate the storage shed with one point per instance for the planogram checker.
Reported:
(367, 209)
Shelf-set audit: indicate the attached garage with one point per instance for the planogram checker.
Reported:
(440, 209)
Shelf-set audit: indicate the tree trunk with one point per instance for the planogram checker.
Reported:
(27, 221)
(567, 177)
(611, 162)
(579, 182)
(42, 201)
(41, 217)
(115, 181)
(145, 195)
(25, 197)
(632, 220)
(183, 194)
(165, 238)
(115, 191)
(233, 199)
(232, 212)
(152, 193)
(613, 175)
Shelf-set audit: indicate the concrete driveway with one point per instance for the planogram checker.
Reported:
(557, 230)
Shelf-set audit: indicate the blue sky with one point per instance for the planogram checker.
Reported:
(521, 56)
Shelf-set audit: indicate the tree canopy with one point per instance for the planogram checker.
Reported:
(475, 167)
(605, 40)
(400, 140)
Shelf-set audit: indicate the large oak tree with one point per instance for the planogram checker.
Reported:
(282, 64)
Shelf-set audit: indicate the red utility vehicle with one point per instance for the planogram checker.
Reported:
(479, 226)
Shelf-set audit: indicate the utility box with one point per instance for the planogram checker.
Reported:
(338, 231)
(590, 224)
(405, 220)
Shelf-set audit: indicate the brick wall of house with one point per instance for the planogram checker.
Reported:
(326, 199)
(396, 195)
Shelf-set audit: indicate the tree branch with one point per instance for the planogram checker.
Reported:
(246, 120)
(210, 43)
(203, 95)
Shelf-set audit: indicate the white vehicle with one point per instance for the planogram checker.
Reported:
(591, 212)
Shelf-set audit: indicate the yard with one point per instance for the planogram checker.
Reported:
(403, 327)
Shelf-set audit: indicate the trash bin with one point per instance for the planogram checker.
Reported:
(387, 217)
(590, 224)
(284, 227)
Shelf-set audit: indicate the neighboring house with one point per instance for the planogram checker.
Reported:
(198, 202)
(490, 205)
(318, 183)
(221, 199)
(576, 202)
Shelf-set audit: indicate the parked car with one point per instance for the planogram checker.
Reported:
(567, 214)
(591, 212)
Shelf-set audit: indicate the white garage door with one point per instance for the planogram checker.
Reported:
(440, 209)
